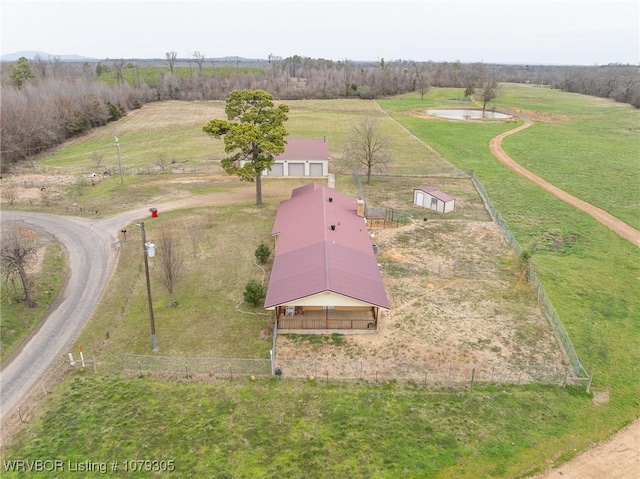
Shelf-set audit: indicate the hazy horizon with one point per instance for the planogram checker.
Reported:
(542, 32)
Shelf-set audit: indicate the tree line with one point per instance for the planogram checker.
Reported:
(46, 101)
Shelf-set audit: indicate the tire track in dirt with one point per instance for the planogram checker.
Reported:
(620, 227)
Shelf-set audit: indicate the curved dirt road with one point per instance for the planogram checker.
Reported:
(91, 248)
(617, 458)
(624, 230)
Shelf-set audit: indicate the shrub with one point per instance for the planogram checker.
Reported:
(254, 292)
(263, 252)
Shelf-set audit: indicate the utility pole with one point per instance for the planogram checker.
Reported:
(145, 252)
(119, 162)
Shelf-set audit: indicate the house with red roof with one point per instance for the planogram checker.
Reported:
(302, 157)
(325, 274)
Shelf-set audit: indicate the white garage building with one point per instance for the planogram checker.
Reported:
(302, 157)
(434, 199)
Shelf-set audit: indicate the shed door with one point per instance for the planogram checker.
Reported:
(419, 198)
(277, 169)
(296, 169)
(434, 204)
(315, 169)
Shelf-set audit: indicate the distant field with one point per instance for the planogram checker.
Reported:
(586, 146)
(245, 428)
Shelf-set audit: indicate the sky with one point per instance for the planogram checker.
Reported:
(551, 32)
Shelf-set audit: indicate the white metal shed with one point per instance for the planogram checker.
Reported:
(433, 199)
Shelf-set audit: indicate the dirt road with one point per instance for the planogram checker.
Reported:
(92, 248)
(610, 221)
(618, 458)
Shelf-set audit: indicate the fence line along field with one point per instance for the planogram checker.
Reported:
(458, 293)
(439, 311)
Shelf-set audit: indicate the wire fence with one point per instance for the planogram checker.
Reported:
(195, 367)
(543, 299)
(379, 218)
(14, 420)
(437, 374)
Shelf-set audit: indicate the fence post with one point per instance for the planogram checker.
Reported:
(566, 375)
(589, 383)
(473, 375)
(95, 366)
(271, 359)
(43, 388)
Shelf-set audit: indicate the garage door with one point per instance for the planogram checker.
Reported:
(277, 169)
(296, 169)
(315, 169)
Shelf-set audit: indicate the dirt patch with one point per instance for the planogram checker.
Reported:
(36, 188)
(456, 295)
(539, 116)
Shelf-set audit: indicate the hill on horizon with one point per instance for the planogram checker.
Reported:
(31, 54)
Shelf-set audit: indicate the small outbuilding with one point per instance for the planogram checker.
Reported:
(434, 199)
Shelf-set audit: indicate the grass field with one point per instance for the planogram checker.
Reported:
(270, 428)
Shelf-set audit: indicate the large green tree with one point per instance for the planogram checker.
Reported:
(254, 134)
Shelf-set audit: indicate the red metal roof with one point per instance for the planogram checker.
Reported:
(312, 258)
(305, 149)
(436, 193)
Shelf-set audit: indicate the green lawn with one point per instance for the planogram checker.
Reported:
(271, 428)
(300, 429)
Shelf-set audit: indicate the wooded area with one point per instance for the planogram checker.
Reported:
(46, 101)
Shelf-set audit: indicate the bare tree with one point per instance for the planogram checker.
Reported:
(10, 193)
(56, 65)
(161, 162)
(367, 146)
(14, 254)
(40, 65)
(420, 80)
(199, 59)
(96, 160)
(119, 67)
(170, 261)
(489, 90)
(171, 60)
(196, 232)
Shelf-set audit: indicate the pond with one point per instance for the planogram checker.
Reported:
(468, 114)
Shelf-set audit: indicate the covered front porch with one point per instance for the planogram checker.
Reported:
(318, 318)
